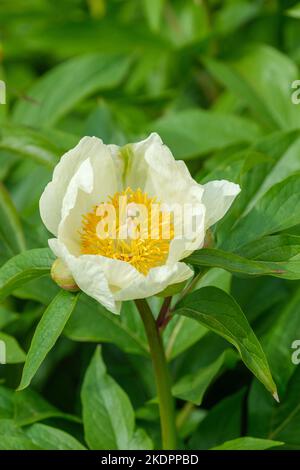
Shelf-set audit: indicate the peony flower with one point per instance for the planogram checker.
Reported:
(104, 265)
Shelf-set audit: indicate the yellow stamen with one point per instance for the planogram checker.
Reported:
(147, 248)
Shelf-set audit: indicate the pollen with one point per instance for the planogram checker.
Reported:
(130, 226)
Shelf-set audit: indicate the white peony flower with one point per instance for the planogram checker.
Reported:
(112, 269)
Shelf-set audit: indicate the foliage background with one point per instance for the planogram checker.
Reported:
(214, 79)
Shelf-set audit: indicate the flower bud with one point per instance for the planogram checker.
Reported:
(63, 277)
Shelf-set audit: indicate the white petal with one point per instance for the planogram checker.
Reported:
(155, 170)
(119, 274)
(88, 275)
(156, 281)
(82, 180)
(136, 168)
(94, 181)
(217, 198)
(111, 281)
(193, 236)
(51, 201)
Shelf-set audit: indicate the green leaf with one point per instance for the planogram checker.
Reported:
(7, 317)
(252, 168)
(30, 144)
(283, 331)
(277, 210)
(11, 230)
(280, 421)
(220, 313)
(249, 79)
(276, 255)
(93, 323)
(260, 296)
(248, 443)
(47, 333)
(8, 162)
(191, 422)
(108, 416)
(286, 165)
(235, 263)
(294, 12)
(153, 10)
(13, 438)
(6, 403)
(60, 89)
(277, 248)
(206, 351)
(29, 183)
(25, 321)
(14, 354)
(30, 407)
(23, 268)
(192, 387)
(281, 251)
(276, 421)
(182, 332)
(222, 422)
(140, 441)
(193, 132)
(234, 15)
(49, 438)
(103, 122)
(41, 290)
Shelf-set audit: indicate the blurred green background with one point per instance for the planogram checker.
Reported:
(214, 78)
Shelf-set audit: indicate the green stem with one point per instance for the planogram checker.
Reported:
(163, 312)
(162, 377)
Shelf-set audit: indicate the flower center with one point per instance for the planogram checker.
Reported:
(130, 227)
